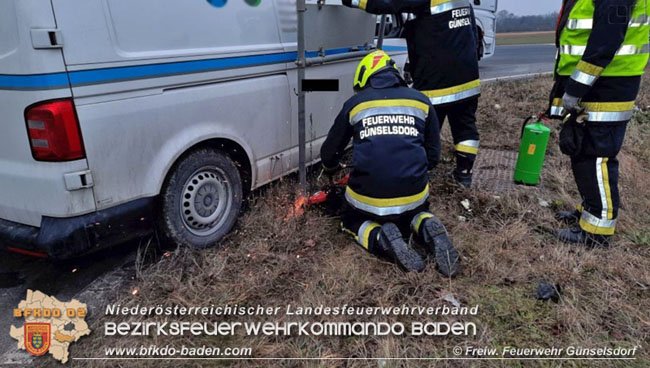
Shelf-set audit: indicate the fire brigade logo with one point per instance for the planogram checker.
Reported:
(37, 338)
(50, 326)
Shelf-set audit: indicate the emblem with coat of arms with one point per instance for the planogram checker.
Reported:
(37, 338)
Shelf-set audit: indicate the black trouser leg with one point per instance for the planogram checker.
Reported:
(597, 181)
(596, 174)
(363, 228)
(462, 121)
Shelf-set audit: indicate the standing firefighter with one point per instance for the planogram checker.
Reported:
(396, 140)
(443, 62)
(602, 53)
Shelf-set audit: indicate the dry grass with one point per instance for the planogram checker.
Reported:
(506, 249)
(524, 38)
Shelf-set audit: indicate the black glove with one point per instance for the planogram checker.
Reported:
(432, 176)
(432, 165)
(347, 3)
(333, 170)
(407, 73)
(572, 133)
(407, 77)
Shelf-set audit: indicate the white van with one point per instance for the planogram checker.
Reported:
(119, 116)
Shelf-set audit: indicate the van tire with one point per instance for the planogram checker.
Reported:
(201, 199)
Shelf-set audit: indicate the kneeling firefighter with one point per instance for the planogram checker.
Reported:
(442, 46)
(602, 53)
(396, 140)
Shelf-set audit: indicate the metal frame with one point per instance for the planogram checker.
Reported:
(302, 62)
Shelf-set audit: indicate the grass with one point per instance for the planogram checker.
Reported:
(506, 250)
(525, 38)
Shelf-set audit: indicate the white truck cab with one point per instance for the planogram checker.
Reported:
(122, 116)
(485, 13)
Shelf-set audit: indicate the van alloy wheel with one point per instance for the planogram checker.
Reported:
(206, 200)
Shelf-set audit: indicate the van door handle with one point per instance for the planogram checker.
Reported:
(47, 39)
(78, 180)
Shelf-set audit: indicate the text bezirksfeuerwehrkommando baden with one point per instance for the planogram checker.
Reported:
(288, 328)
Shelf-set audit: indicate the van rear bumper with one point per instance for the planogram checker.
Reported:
(63, 238)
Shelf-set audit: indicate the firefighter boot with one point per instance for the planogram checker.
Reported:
(393, 245)
(575, 235)
(568, 217)
(462, 177)
(462, 174)
(437, 240)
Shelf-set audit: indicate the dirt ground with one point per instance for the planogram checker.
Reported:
(506, 248)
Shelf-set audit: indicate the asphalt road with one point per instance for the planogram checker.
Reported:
(65, 280)
(518, 60)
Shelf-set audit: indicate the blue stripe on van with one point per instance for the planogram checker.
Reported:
(34, 81)
(107, 75)
(394, 48)
(168, 69)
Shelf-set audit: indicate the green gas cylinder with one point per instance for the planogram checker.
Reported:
(534, 140)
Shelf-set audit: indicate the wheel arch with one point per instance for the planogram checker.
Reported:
(236, 151)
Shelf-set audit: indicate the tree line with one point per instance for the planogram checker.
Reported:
(508, 22)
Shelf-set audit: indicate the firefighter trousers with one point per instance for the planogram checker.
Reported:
(595, 170)
(462, 121)
(365, 226)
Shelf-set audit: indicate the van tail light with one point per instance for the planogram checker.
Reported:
(54, 133)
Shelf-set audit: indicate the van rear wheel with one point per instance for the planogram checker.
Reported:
(201, 199)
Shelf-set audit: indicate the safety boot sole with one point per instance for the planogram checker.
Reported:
(440, 245)
(405, 257)
(570, 218)
(575, 235)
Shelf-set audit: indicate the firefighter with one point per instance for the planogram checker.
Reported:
(443, 63)
(396, 140)
(602, 53)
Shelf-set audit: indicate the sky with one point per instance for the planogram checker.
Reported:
(530, 7)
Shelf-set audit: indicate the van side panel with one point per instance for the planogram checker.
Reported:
(135, 141)
(353, 29)
(8, 30)
(17, 55)
(31, 189)
(112, 31)
(152, 78)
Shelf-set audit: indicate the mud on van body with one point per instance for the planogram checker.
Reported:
(118, 116)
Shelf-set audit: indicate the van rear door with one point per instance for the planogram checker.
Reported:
(32, 70)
